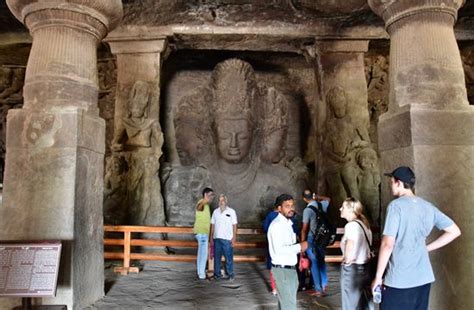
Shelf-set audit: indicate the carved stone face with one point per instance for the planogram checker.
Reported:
(138, 99)
(188, 144)
(4, 78)
(234, 139)
(338, 105)
(273, 148)
(117, 166)
(367, 160)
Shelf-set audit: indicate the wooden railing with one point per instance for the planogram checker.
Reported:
(257, 240)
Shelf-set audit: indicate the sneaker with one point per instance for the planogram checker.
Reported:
(274, 292)
(230, 278)
(325, 290)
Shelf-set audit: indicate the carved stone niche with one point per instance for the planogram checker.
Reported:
(233, 134)
(376, 69)
(132, 186)
(12, 78)
(351, 167)
(467, 56)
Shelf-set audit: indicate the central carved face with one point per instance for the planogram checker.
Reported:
(234, 139)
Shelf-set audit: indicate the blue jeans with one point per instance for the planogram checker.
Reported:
(203, 240)
(318, 265)
(222, 246)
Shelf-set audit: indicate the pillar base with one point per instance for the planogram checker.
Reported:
(53, 191)
(438, 145)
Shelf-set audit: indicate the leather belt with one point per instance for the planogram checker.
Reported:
(284, 266)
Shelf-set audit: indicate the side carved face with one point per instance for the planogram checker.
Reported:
(234, 139)
(188, 143)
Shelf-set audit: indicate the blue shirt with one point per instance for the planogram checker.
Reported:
(410, 220)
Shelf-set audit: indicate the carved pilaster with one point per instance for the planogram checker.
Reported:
(139, 61)
(344, 124)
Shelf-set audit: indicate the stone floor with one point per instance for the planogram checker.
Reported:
(172, 285)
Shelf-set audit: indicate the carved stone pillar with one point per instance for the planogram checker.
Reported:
(139, 60)
(429, 127)
(344, 122)
(55, 144)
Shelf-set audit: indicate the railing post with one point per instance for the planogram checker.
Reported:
(125, 269)
(126, 249)
(210, 258)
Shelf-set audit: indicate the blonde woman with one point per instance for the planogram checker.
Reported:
(202, 224)
(355, 275)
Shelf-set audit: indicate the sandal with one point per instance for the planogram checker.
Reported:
(315, 293)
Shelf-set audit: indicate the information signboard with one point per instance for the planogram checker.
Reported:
(29, 269)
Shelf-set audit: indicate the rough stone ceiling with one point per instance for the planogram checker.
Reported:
(251, 23)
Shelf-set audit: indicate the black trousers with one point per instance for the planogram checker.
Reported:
(414, 298)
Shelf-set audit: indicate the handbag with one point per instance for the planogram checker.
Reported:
(304, 263)
(372, 263)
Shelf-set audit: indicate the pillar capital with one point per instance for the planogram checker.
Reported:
(393, 10)
(138, 45)
(94, 17)
(62, 67)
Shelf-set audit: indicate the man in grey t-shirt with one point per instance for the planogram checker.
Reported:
(409, 221)
(315, 253)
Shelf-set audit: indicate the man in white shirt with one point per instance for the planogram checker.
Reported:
(224, 234)
(283, 251)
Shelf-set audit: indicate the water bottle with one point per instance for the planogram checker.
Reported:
(377, 294)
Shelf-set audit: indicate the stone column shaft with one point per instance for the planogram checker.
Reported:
(429, 127)
(55, 143)
(424, 54)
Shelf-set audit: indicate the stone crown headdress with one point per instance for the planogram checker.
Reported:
(233, 86)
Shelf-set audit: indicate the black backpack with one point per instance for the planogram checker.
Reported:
(325, 233)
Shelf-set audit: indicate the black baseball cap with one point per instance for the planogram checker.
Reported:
(404, 174)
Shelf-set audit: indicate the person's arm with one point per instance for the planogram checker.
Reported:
(450, 233)
(304, 231)
(211, 233)
(116, 144)
(234, 235)
(349, 252)
(386, 249)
